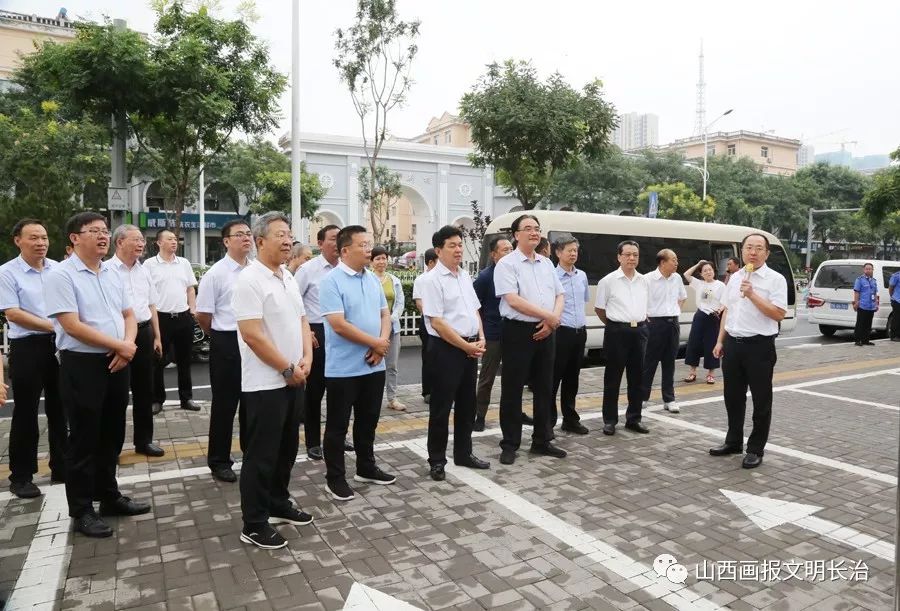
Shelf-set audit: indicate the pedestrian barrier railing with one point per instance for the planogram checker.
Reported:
(409, 324)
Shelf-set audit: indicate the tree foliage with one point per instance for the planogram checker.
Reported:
(473, 239)
(883, 199)
(380, 191)
(528, 129)
(678, 201)
(374, 58)
(47, 162)
(183, 92)
(275, 189)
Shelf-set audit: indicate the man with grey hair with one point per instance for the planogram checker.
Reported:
(141, 291)
(300, 254)
(276, 356)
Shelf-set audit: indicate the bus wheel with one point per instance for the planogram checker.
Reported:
(827, 330)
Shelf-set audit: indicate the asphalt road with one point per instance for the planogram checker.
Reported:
(410, 361)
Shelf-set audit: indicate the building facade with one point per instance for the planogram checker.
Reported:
(19, 33)
(446, 130)
(773, 154)
(636, 131)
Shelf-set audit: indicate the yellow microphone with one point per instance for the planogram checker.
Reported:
(749, 269)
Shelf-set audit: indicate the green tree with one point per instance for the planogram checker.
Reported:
(185, 90)
(600, 185)
(380, 192)
(824, 187)
(260, 172)
(46, 164)
(374, 57)
(678, 201)
(883, 198)
(528, 130)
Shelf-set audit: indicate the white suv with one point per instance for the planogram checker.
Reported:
(831, 294)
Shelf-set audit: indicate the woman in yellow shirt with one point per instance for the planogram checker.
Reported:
(393, 292)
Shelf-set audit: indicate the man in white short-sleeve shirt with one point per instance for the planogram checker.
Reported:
(276, 355)
(176, 308)
(430, 262)
(621, 304)
(755, 303)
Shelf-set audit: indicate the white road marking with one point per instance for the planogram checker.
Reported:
(768, 513)
(643, 576)
(846, 399)
(790, 337)
(364, 598)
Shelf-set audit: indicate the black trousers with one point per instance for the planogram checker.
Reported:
(33, 369)
(95, 402)
(141, 374)
(748, 363)
(662, 348)
(702, 340)
(863, 324)
(225, 383)
(315, 390)
(177, 332)
(566, 369)
(624, 348)
(362, 395)
(272, 437)
(895, 318)
(455, 388)
(426, 370)
(524, 360)
(490, 365)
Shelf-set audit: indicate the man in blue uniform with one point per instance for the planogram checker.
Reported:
(866, 303)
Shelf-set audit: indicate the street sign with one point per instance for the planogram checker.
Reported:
(116, 199)
(654, 204)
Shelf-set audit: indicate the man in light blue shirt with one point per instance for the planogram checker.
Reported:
(894, 292)
(95, 334)
(866, 303)
(32, 360)
(571, 335)
(357, 332)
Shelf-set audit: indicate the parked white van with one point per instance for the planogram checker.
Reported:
(831, 293)
(599, 234)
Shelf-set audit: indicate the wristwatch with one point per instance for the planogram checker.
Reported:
(289, 372)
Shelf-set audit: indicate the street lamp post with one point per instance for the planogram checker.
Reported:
(706, 147)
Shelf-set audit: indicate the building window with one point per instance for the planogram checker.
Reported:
(436, 140)
(731, 149)
(447, 137)
(711, 149)
(763, 151)
(412, 231)
(393, 232)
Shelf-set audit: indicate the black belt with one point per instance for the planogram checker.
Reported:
(627, 325)
(523, 323)
(34, 337)
(573, 329)
(664, 318)
(753, 339)
(472, 338)
(143, 325)
(229, 333)
(175, 314)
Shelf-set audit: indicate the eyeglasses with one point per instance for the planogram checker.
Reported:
(240, 234)
(530, 229)
(96, 232)
(748, 248)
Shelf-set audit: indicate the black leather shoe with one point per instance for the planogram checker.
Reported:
(577, 428)
(315, 453)
(25, 490)
(224, 474)
(348, 447)
(151, 449)
(123, 506)
(190, 405)
(472, 462)
(548, 449)
(437, 473)
(507, 457)
(857, 343)
(751, 461)
(868, 343)
(90, 525)
(725, 449)
(526, 419)
(156, 408)
(609, 428)
(479, 425)
(636, 427)
(57, 477)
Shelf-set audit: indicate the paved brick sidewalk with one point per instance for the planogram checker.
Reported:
(571, 534)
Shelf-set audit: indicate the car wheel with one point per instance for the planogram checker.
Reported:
(827, 330)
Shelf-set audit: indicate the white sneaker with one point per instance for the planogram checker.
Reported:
(671, 407)
(645, 404)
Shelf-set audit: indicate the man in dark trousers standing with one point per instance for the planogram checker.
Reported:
(866, 302)
(357, 337)
(215, 314)
(141, 293)
(457, 340)
(755, 302)
(491, 322)
(666, 296)
(571, 335)
(276, 354)
(177, 307)
(95, 333)
(33, 367)
(531, 303)
(430, 262)
(621, 304)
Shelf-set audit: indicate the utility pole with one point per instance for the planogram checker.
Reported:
(118, 193)
(296, 209)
